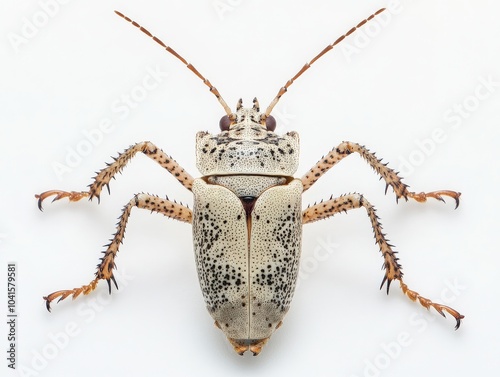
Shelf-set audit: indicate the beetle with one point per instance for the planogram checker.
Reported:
(247, 215)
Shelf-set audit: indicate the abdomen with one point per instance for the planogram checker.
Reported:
(247, 258)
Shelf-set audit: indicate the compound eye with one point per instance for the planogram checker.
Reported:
(270, 123)
(224, 123)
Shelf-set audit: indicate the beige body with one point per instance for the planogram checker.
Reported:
(247, 218)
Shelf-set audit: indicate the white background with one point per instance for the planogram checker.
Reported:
(391, 91)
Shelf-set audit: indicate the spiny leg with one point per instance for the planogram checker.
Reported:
(393, 270)
(390, 177)
(104, 271)
(105, 175)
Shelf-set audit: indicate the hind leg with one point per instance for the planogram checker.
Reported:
(105, 268)
(392, 268)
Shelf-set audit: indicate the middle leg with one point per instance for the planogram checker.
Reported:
(392, 268)
(104, 176)
(390, 177)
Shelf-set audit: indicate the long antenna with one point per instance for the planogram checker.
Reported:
(212, 88)
(307, 65)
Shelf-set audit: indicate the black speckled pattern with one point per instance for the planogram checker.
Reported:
(275, 245)
(247, 281)
(220, 239)
(247, 148)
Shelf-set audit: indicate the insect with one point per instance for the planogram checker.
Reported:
(247, 214)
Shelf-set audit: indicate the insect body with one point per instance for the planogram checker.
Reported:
(247, 216)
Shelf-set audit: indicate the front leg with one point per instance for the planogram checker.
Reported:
(105, 175)
(392, 267)
(390, 177)
(105, 268)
